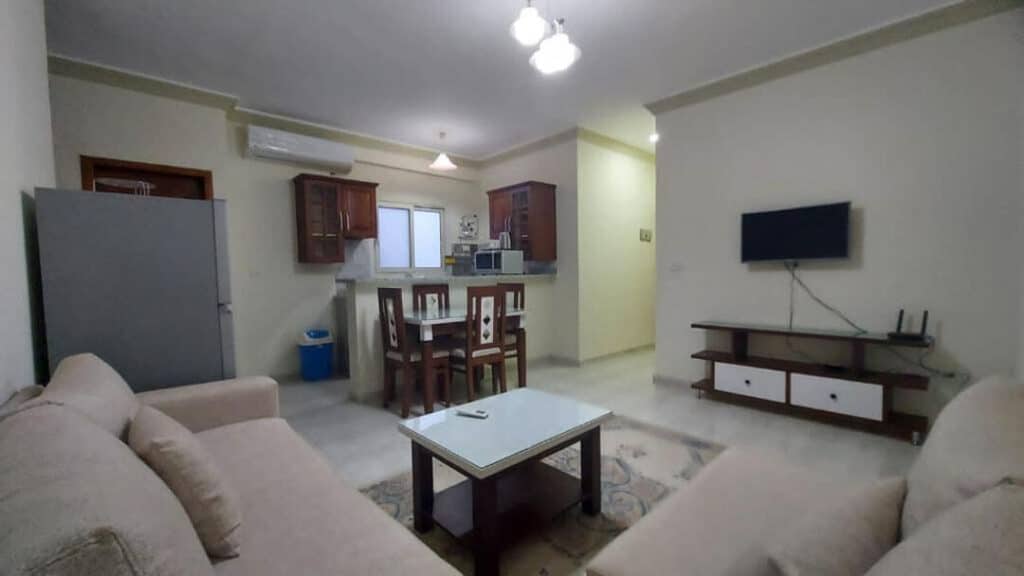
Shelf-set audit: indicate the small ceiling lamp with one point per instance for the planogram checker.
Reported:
(529, 29)
(654, 137)
(556, 53)
(443, 163)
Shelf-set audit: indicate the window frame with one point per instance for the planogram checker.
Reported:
(412, 208)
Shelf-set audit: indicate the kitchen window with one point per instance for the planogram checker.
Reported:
(409, 237)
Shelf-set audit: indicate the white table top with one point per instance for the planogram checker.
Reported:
(522, 424)
(450, 316)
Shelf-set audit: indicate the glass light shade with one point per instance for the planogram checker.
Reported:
(529, 28)
(443, 163)
(556, 54)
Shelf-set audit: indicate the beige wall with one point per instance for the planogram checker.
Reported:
(26, 161)
(1020, 125)
(616, 270)
(554, 162)
(921, 136)
(274, 297)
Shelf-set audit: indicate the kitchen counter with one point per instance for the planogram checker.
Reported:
(402, 280)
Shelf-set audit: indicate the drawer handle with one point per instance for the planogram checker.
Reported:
(747, 382)
(833, 397)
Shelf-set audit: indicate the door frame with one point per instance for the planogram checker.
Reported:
(89, 165)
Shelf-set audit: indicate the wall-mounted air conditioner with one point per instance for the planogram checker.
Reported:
(281, 145)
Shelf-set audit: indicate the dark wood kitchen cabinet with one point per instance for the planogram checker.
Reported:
(527, 212)
(330, 210)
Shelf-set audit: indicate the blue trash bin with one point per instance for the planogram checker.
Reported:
(316, 354)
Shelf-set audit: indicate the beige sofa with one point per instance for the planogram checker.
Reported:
(963, 512)
(75, 499)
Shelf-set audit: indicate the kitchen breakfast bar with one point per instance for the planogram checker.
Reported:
(359, 327)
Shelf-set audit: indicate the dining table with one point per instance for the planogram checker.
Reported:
(431, 323)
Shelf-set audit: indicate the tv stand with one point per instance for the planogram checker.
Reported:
(850, 395)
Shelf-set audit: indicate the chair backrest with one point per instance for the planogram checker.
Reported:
(485, 317)
(392, 320)
(517, 291)
(430, 297)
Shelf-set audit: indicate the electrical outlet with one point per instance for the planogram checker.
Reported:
(646, 235)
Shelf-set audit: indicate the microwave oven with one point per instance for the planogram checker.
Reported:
(498, 262)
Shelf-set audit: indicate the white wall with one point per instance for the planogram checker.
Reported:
(616, 270)
(554, 162)
(26, 161)
(919, 136)
(274, 297)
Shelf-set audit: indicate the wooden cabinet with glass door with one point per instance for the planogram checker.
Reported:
(330, 210)
(527, 212)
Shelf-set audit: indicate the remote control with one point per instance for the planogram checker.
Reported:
(478, 414)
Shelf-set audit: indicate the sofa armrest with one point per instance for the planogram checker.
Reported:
(212, 404)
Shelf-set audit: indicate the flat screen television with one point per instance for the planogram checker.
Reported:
(809, 233)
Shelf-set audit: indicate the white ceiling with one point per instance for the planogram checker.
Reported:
(406, 69)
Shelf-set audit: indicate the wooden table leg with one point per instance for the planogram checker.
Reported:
(590, 471)
(429, 378)
(422, 488)
(521, 356)
(485, 526)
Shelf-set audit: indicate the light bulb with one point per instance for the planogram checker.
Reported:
(654, 137)
(556, 54)
(529, 28)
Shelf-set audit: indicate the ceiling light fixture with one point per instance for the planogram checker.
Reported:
(654, 137)
(443, 163)
(529, 29)
(556, 53)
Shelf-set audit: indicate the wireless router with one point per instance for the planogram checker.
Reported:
(902, 336)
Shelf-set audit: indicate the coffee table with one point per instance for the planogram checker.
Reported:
(509, 491)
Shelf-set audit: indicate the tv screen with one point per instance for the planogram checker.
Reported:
(814, 232)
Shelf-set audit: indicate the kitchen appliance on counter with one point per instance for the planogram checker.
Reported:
(463, 254)
(498, 262)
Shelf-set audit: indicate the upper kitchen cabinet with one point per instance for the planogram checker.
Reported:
(527, 212)
(330, 210)
(359, 209)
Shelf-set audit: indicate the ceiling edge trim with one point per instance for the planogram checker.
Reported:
(598, 139)
(71, 67)
(948, 16)
(523, 149)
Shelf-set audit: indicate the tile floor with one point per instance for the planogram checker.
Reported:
(365, 446)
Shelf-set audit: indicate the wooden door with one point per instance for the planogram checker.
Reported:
(318, 212)
(500, 212)
(359, 209)
(142, 179)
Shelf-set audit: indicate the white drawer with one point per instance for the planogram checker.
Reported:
(755, 382)
(834, 395)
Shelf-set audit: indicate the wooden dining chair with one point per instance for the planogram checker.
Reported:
(399, 356)
(515, 334)
(434, 297)
(485, 326)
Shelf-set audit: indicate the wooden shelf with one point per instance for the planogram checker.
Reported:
(887, 379)
(899, 425)
(840, 335)
(522, 508)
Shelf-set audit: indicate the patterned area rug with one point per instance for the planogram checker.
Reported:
(640, 466)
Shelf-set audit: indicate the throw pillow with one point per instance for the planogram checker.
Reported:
(92, 388)
(983, 535)
(846, 538)
(175, 454)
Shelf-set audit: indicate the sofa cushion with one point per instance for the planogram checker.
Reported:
(91, 387)
(845, 538)
(300, 518)
(722, 522)
(76, 500)
(191, 473)
(973, 446)
(983, 535)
